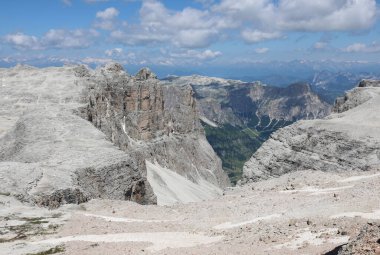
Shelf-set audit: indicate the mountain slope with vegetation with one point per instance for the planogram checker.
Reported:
(238, 117)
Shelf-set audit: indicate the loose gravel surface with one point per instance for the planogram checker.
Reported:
(299, 213)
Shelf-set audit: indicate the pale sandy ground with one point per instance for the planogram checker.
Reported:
(299, 213)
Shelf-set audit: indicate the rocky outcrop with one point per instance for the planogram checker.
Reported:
(59, 197)
(367, 242)
(355, 97)
(130, 108)
(369, 83)
(48, 154)
(145, 74)
(210, 93)
(119, 104)
(51, 156)
(156, 124)
(348, 140)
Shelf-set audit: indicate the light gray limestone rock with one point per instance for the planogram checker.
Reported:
(50, 155)
(155, 123)
(346, 140)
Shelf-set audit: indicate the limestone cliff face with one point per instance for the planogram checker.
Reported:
(154, 123)
(124, 107)
(294, 102)
(133, 139)
(51, 156)
(348, 140)
(139, 108)
(181, 115)
(355, 97)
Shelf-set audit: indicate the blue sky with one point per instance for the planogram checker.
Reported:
(190, 33)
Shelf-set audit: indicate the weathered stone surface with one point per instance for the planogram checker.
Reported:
(123, 181)
(369, 83)
(50, 155)
(113, 68)
(352, 99)
(145, 74)
(344, 141)
(59, 197)
(294, 102)
(181, 113)
(367, 242)
(52, 151)
(81, 71)
(123, 106)
(156, 123)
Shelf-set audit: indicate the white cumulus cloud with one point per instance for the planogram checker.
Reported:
(263, 19)
(53, 39)
(188, 28)
(22, 41)
(114, 52)
(254, 36)
(108, 13)
(256, 20)
(195, 54)
(327, 15)
(106, 19)
(361, 47)
(61, 39)
(208, 54)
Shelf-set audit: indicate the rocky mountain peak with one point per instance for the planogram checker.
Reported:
(113, 67)
(369, 83)
(356, 97)
(81, 71)
(145, 74)
(23, 67)
(300, 88)
(158, 124)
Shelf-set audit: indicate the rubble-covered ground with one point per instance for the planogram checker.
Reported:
(304, 212)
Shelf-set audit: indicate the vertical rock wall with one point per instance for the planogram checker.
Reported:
(154, 123)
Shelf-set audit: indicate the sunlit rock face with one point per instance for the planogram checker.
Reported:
(156, 123)
(70, 134)
(347, 140)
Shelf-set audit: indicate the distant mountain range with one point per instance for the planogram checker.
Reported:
(329, 79)
(330, 85)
